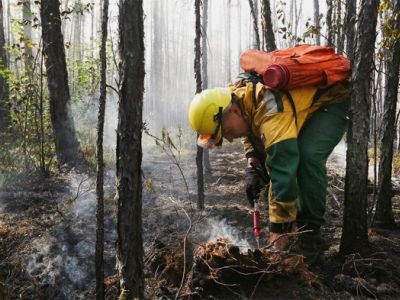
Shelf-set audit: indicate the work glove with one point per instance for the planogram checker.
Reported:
(253, 184)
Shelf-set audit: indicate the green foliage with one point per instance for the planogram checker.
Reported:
(84, 77)
(390, 34)
(28, 145)
(285, 28)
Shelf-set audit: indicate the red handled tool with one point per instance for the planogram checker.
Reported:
(256, 223)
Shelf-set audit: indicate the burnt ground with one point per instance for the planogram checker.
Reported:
(47, 235)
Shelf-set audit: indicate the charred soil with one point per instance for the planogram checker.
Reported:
(47, 240)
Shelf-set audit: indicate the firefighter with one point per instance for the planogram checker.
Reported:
(290, 134)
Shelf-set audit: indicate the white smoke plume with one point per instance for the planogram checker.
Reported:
(220, 228)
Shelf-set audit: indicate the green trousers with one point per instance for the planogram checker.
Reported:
(317, 139)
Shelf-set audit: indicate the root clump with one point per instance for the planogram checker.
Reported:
(220, 264)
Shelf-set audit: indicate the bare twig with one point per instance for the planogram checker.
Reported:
(256, 286)
(334, 197)
(286, 235)
(184, 247)
(168, 148)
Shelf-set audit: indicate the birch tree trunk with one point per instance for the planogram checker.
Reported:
(316, 22)
(57, 81)
(228, 42)
(384, 214)
(197, 75)
(268, 32)
(129, 150)
(27, 21)
(355, 231)
(100, 161)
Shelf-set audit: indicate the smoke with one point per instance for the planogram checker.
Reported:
(338, 156)
(220, 228)
(62, 259)
(111, 123)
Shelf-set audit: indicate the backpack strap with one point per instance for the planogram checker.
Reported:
(290, 98)
(319, 93)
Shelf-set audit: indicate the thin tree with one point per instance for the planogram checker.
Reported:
(4, 105)
(355, 231)
(268, 32)
(254, 15)
(100, 161)
(350, 28)
(27, 24)
(340, 36)
(316, 23)
(228, 42)
(384, 213)
(204, 62)
(57, 80)
(197, 75)
(129, 150)
(329, 38)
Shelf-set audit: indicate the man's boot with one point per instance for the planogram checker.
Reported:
(311, 244)
(282, 241)
(313, 237)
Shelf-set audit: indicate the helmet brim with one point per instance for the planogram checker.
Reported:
(207, 141)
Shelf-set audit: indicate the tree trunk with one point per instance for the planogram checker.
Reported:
(129, 150)
(92, 38)
(340, 39)
(57, 80)
(197, 75)
(384, 213)
(100, 160)
(349, 28)
(206, 156)
(63, 22)
(268, 32)
(298, 17)
(4, 105)
(316, 22)
(27, 21)
(228, 42)
(398, 134)
(355, 230)
(76, 43)
(156, 57)
(329, 39)
(253, 11)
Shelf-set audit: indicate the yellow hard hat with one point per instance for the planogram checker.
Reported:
(205, 113)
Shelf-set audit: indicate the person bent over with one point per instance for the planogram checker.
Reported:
(288, 134)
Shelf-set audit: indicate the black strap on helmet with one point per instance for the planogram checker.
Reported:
(218, 118)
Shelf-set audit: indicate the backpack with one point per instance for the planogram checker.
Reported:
(296, 67)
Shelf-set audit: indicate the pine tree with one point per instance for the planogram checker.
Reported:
(384, 213)
(268, 32)
(129, 151)
(355, 230)
(197, 75)
(100, 162)
(57, 80)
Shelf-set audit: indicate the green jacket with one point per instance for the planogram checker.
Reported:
(275, 121)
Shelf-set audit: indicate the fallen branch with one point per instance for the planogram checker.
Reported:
(334, 197)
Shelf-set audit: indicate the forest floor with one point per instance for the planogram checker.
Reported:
(47, 238)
